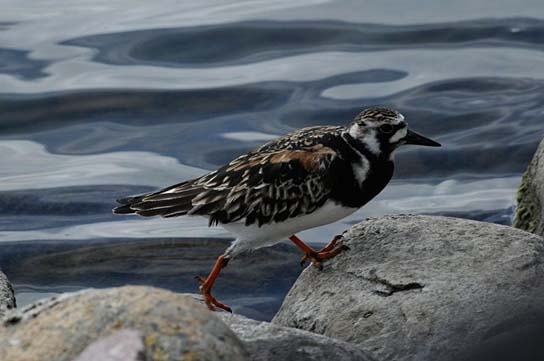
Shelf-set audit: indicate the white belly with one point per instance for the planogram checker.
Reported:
(253, 236)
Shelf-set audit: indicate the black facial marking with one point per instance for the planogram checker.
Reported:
(383, 137)
(346, 189)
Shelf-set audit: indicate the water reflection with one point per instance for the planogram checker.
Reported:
(250, 283)
(18, 64)
(248, 42)
(113, 107)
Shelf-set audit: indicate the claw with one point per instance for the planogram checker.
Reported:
(207, 283)
(334, 247)
(210, 301)
(319, 265)
(305, 258)
(337, 237)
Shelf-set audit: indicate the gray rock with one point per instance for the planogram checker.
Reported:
(530, 207)
(269, 342)
(7, 295)
(422, 288)
(174, 327)
(122, 345)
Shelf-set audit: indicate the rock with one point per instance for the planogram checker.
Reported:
(122, 345)
(269, 342)
(173, 326)
(421, 288)
(530, 199)
(7, 295)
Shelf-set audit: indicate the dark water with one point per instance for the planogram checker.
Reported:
(253, 283)
(103, 100)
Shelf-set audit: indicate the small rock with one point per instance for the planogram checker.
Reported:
(122, 345)
(422, 288)
(269, 342)
(173, 326)
(7, 295)
(530, 208)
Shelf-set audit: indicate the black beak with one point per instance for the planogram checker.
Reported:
(414, 138)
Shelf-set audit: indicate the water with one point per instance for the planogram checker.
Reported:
(104, 99)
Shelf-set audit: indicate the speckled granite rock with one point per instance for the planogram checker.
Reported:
(530, 208)
(422, 288)
(269, 342)
(174, 326)
(7, 295)
(121, 345)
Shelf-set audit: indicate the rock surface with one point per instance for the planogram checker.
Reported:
(7, 295)
(530, 208)
(122, 345)
(269, 342)
(422, 288)
(174, 326)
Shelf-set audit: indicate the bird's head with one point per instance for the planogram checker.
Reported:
(382, 130)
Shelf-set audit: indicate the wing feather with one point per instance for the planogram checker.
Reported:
(278, 181)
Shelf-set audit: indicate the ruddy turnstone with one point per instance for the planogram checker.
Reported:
(308, 178)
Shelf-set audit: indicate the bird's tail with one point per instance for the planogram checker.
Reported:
(169, 202)
(126, 203)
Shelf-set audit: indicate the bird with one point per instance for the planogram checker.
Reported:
(305, 179)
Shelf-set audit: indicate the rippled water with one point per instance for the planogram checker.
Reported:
(102, 99)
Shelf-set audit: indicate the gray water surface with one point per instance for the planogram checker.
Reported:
(105, 99)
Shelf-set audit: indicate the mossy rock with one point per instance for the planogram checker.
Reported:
(530, 197)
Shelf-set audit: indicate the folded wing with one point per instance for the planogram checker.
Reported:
(259, 187)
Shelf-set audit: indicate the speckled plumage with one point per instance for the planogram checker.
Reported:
(280, 180)
(308, 178)
(288, 177)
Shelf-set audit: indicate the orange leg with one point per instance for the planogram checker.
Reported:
(207, 284)
(329, 251)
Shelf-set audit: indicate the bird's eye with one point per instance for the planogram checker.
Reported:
(386, 128)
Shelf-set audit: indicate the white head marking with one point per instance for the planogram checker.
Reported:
(370, 140)
(355, 130)
(360, 170)
(399, 134)
(367, 137)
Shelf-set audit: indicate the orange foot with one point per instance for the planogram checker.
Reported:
(211, 301)
(207, 283)
(333, 248)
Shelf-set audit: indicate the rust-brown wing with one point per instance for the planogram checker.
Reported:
(259, 187)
